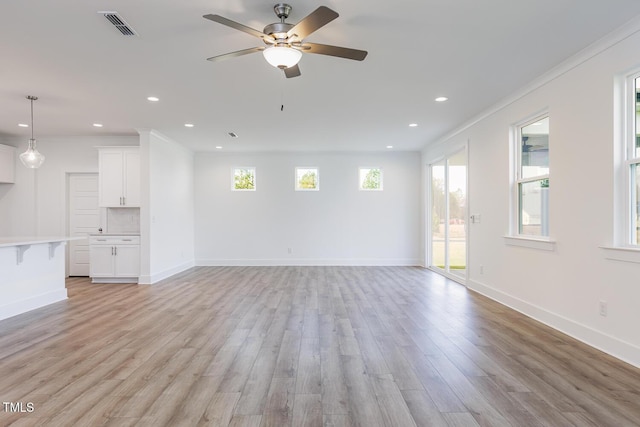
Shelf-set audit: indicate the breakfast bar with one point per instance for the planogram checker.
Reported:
(32, 273)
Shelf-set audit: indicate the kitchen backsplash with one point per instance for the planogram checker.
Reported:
(123, 220)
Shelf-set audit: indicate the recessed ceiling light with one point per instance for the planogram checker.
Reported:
(97, 125)
(441, 99)
(23, 125)
(412, 125)
(188, 125)
(153, 99)
(389, 146)
(218, 147)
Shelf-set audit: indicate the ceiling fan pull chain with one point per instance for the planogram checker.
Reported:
(282, 95)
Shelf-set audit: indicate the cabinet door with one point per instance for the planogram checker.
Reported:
(101, 261)
(7, 164)
(131, 193)
(127, 261)
(110, 178)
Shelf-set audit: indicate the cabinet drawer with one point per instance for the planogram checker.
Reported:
(114, 240)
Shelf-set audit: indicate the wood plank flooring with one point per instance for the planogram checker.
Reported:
(301, 346)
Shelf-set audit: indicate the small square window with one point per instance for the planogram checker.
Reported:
(307, 179)
(243, 179)
(370, 179)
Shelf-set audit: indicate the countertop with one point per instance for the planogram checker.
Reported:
(34, 240)
(114, 234)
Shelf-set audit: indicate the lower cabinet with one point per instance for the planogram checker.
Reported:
(114, 259)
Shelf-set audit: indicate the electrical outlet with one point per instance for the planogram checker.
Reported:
(289, 251)
(603, 308)
(482, 269)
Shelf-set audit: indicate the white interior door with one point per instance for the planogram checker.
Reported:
(84, 218)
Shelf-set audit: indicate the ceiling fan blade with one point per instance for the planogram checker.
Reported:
(292, 71)
(233, 24)
(342, 52)
(315, 20)
(234, 54)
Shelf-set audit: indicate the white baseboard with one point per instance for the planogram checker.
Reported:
(156, 277)
(611, 345)
(308, 262)
(122, 280)
(32, 303)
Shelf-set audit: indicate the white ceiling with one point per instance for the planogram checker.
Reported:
(474, 52)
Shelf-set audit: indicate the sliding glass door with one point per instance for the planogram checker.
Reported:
(448, 215)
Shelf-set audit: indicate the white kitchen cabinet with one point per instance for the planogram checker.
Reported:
(119, 177)
(7, 164)
(114, 259)
(101, 261)
(127, 261)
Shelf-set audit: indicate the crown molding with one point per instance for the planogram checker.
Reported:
(618, 35)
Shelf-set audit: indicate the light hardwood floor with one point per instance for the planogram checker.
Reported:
(302, 346)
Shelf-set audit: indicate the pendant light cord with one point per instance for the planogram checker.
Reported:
(31, 98)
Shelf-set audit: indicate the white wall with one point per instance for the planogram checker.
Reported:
(563, 287)
(337, 225)
(35, 205)
(166, 215)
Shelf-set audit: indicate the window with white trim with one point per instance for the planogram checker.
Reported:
(632, 154)
(531, 183)
(307, 179)
(626, 195)
(243, 179)
(370, 178)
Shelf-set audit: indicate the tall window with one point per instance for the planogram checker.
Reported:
(633, 160)
(532, 178)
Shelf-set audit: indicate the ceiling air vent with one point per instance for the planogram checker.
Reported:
(117, 21)
(233, 135)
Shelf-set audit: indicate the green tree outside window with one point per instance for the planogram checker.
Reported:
(244, 179)
(372, 179)
(307, 179)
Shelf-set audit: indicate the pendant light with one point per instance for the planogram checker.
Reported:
(32, 157)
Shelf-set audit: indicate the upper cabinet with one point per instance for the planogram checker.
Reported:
(119, 176)
(7, 164)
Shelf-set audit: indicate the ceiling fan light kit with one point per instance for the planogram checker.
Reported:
(285, 42)
(282, 56)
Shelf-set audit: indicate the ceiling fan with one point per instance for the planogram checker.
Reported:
(285, 42)
(529, 144)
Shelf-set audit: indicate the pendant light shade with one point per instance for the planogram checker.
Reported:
(32, 157)
(282, 56)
